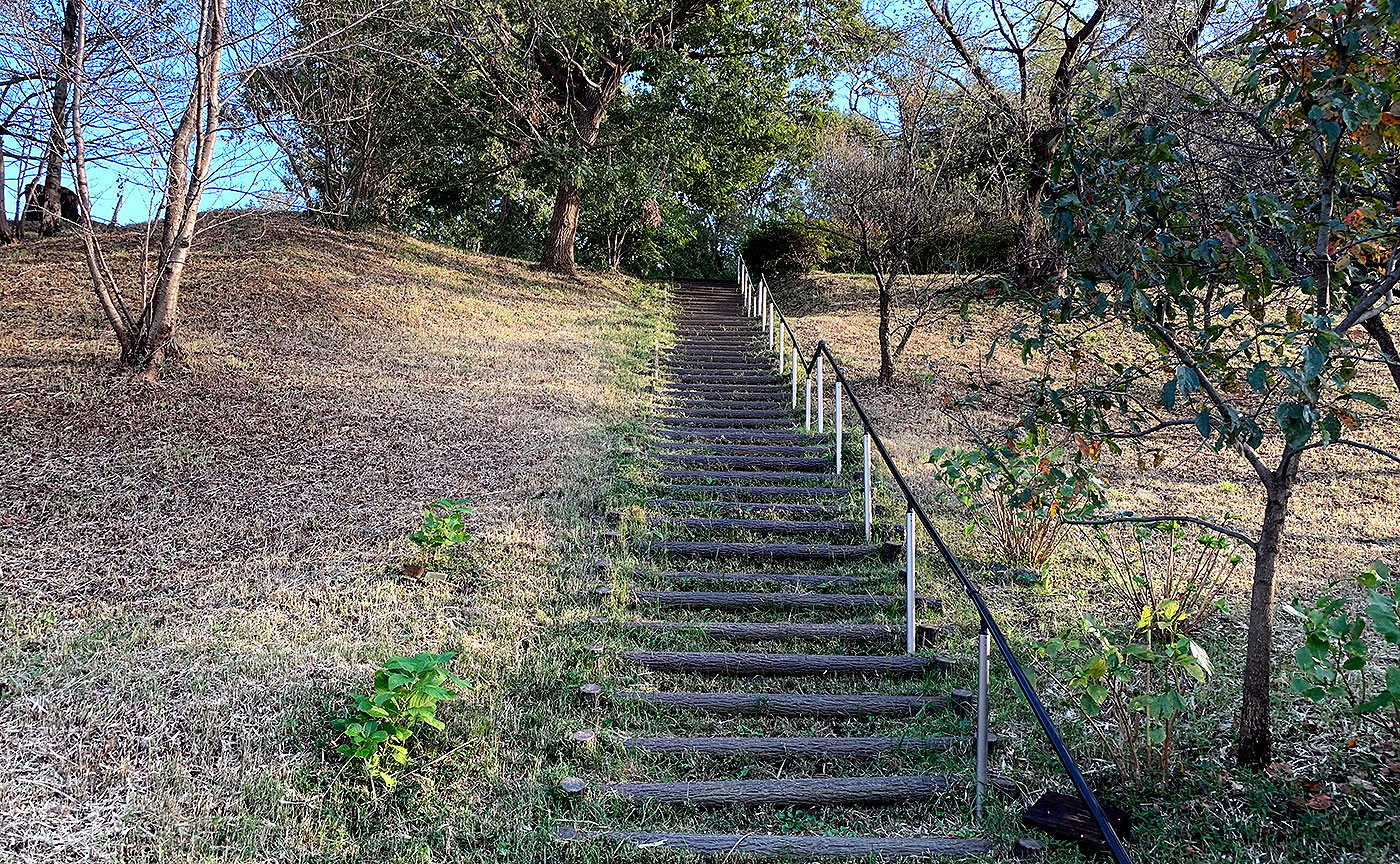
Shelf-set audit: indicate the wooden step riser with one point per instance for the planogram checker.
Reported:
(806, 464)
(777, 551)
(785, 665)
(749, 600)
(691, 448)
(745, 507)
(823, 492)
(756, 747)
(727, 847)
(789, 792)
(782, 631)
(798, 705)
(813, 580)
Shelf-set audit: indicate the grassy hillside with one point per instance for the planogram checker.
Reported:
(198, 570)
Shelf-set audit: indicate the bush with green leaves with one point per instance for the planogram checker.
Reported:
(407, 691)
(1352, 658)
(1019, 495)
(1133, 691)
(1148, 564)
(444, 524)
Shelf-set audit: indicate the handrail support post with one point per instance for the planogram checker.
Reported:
(838, 428)
(821, 395)
(984, 661)
(909, 580)
(807, 404)
(869, 506)
(794, 373)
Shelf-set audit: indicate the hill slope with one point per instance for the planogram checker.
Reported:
(194, 569)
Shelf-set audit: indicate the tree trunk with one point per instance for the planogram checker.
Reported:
(886, 359)
(1035, 265)
(1256, 739)
(52, 215)
(6, 234)
(563, 228)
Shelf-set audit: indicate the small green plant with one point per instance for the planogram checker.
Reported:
(407, 691)
(444, 524)
(1131, 692)
(1339, 660)
(1019, 496)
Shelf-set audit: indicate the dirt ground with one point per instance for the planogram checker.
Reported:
(191, 566)
(1345, 514)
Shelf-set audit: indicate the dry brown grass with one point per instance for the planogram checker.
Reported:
(1345, 514)
(189, 567)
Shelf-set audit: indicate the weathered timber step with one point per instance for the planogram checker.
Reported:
(731, 404)
(730, 422)
(737, 364)
(758, 526)
(697, 435)
(787, 792)
(808, 579)
(740, 600)
(764, 476)
(723, 378)
(745, 507)
(776, 631)
(703, 449)
(751, 413)
(787, 846)
(799, 704)
(739, 462)
(760, 491)
(759, 747)
(842, 552)
(741, 389)
(735, 663)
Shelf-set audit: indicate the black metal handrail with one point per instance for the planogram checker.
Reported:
(988, 621)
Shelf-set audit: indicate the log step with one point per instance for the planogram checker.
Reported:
(660, 504)
(764, 491)
(746, 600)
(714, 548)
(706, 449)
(799, 704)
(787, 846)
(809, 579)
(759, 747)
(674, 422)
(711, 413)
(761, 526)
(725, 403)
(777, 631)
(812, 464)
(694, 434)
(734, 663)
(765, 476)
(788, 792)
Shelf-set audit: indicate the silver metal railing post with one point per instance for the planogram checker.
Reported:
(869, 507)
(780, 352)
(838, 427)
(984, 660)
(909, 580)
(807, 403)
(821, 396)
(794, 373)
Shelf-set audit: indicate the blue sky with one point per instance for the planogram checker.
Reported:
(247, 170)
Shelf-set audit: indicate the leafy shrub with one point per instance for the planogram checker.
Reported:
(1147, 565)
(782, 248)
(1339, 660)
(1132, 693)
(406, 693)
(1018, 497)
(444, 524)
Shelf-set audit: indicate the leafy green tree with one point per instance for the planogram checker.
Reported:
(1242, 333)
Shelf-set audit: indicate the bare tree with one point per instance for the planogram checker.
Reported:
(1023, 57)
(887, 181)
